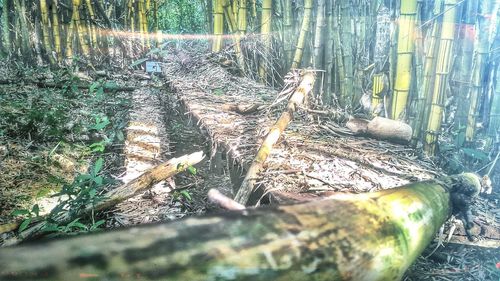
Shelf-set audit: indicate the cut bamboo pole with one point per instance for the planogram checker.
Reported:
(247, 186)
(364, 237)
(126, 191)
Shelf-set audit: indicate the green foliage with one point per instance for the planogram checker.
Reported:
(84, 191)
(180, 16)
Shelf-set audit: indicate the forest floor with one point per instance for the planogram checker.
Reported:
(188, 110)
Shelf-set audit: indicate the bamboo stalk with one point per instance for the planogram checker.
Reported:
(444, 57)
(404, 59)
(342, 95)
(218, 26)
(461, 77)
(45, 29)
(382, 41)
(265, 31)
(364, 237)
(304, 30)
(55, 30)
(248, 184)
(347, 52)
(242, 29)
(6, 41)
(329, 55)
(481, 51)
(424, 89)
(288, 33)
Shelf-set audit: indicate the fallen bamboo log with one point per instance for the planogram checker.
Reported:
(145, 181)
(298, 97)
(372, 236)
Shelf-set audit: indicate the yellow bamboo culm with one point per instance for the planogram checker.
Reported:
(229, 16)
(131, 15)
(69, 40)
(45, 29)
(444, 58)
(141, 16)
(147, 11)
(79, 27)
(156, 24)
(306, 22)
(55, 30)
(265, 32)
(91, 26)
(406, 45)
(218, 26)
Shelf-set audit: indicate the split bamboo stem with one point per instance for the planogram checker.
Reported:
(298, 97)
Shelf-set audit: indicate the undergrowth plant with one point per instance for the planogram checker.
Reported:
(61, 115)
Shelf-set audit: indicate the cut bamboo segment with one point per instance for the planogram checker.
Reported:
(247, 186)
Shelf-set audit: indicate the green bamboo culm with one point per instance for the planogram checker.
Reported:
(304, 30)
(479, 66)
(5, 27)
(347, 51)
(461, 77)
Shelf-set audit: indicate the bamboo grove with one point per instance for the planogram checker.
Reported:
(58, 31)
(430, 63)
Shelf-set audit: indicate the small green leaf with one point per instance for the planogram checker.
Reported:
(98, 165)
(97, 224)
(137, 62)
(24, 224)
(476, 154)
(120, 136)
(93, 87)
(20, 212)
(50, 227)
(186, 195)
(35, 210)
(99, 92)
(192, 170)
(92, 193)
(98, 146)
(98, 180)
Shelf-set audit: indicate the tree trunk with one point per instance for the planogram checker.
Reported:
(373, 236)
